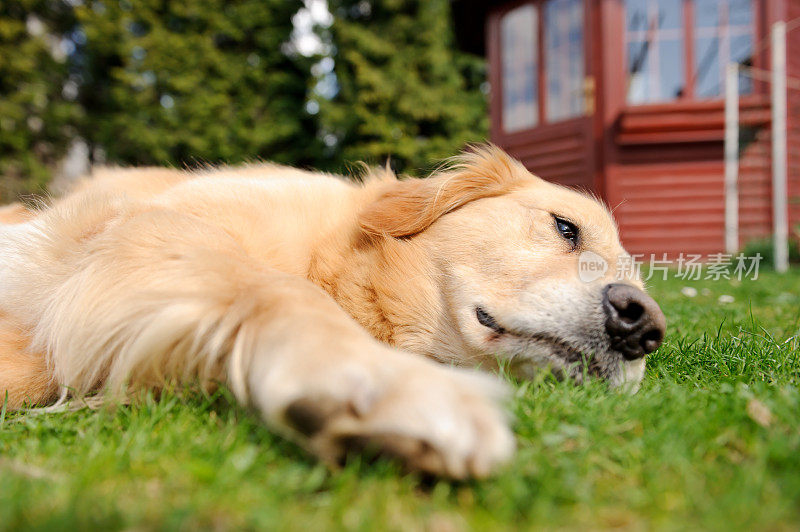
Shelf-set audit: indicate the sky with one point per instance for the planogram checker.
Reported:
(304, 40)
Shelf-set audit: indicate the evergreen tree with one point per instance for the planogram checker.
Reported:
(175, 82)
(194, 80)
(404, 91)
(37, 111)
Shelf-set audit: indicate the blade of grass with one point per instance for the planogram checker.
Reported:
(3, 410)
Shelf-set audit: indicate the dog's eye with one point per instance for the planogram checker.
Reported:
(568, 230)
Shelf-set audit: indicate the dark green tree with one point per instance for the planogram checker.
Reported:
(194, 81)
(183, 81)
(404, 91)
(37, 108)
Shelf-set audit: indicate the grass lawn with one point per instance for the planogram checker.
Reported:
(711, 441)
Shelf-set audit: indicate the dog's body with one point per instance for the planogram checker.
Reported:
(279, 281)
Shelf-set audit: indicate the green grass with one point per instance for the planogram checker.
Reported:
(690, 450)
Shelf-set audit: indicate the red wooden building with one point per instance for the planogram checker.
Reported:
(626, 98)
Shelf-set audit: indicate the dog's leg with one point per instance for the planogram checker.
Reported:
(312, 370)
(24, 376)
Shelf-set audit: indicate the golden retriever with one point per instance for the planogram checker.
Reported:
(312, 297)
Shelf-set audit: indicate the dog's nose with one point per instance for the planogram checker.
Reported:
(634, 321)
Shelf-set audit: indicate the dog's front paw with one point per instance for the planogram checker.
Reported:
(432, 418)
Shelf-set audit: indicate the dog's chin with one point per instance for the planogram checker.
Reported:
(623, 375)
(620, 374)
(531, 352)
(630, 375)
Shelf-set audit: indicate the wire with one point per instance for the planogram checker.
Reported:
(766, 75)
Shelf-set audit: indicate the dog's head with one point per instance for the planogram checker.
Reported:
(525, 270)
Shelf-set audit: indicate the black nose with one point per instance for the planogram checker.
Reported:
(634, 321)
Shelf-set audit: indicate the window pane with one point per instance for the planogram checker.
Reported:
(656, 60)
(708, 79)
(670, 14)
(741, 12)
(563, 59)
(642, 15)
(741, 52)
(706, 13)
(518, 30)
(723, 34)
(636, 14)
(670, 64)
(638, 66)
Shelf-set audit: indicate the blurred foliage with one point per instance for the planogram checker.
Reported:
(195, 80)
(404, 91)
(766, 248)
(37, 120)
(187, 82)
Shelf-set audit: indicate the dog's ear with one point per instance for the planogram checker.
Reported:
(408, 207)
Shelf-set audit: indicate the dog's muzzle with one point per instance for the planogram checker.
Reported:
(634, 321)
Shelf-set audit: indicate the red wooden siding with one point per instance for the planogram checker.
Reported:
(560, 154)
(755, 186)
(661, 167)
(668, 198)
(668, 177)
(793, 119)
(664, 163)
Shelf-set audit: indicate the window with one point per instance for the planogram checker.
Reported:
(663, 53)
(563, 58)
(723, 33)
(518, 29)
(559, 65)
(655, 50)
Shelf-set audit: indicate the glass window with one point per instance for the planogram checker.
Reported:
(654, 38)
(563, 58)
(518, 50)
(723, 33)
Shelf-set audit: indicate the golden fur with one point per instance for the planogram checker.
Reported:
(278, 281)
(14, 214)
